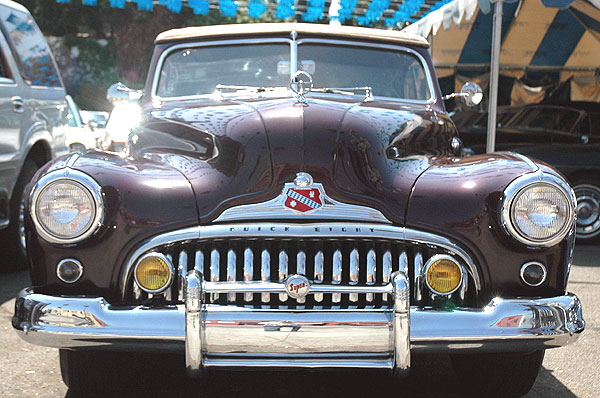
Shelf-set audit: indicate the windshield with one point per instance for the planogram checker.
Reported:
(198, 70)
(546, 118)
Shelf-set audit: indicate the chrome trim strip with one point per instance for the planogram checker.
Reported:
(77, 322)
(278, 287)
(315, 230)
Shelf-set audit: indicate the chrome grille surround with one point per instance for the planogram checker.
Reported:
(348, 265)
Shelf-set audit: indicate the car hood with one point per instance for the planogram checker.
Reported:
(243, 152)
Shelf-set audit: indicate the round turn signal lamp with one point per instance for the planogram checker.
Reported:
(443, 274)
(153, 273)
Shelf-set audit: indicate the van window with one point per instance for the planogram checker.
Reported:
(30, 47)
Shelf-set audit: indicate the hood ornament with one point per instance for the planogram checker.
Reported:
(303, 195)
(301, 84)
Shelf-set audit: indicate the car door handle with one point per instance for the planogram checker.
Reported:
(18, 104)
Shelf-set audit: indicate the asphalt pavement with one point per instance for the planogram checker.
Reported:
(572, 371)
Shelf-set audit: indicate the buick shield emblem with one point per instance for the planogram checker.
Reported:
(303, 197)
(297, 286)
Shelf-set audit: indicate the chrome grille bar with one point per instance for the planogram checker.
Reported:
(215, 259)
(418, 276)
(265, 272)
(301, 269)
(387, 269)
(231, 263)
(371, 269)
(337, 274)
(181, 272)
(354, 259)
(283, 272)
(248, 270)
(319, 273)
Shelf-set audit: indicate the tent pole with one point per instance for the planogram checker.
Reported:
(494, 72)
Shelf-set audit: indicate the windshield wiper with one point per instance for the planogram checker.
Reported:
(346, 91)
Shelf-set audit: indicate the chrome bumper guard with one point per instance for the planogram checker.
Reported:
(228, 336)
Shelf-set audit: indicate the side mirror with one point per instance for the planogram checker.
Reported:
(119, 92)
(471, 94)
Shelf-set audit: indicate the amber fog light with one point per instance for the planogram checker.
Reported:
(69, 270)
(533, 273)
(153, 273)
(443, 274)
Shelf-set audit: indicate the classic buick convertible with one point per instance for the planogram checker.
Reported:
(293, 197)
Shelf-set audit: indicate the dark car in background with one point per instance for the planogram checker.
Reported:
(33, 120)
(565, 136)
(294, 197)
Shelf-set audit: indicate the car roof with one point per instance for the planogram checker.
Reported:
(261, 29)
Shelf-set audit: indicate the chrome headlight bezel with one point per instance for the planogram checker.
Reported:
(81, 181)
(528, 181)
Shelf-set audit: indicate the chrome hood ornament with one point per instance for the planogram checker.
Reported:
(301, 84)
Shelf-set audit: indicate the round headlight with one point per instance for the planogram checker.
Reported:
(66, 209)
(153, 273)
(539, 213)
(443, 275)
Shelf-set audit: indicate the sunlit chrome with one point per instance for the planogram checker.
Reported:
(337, 274)
(265, 272)
(181, 272)
(387, 269)
(401, 323)
(215, 260)
(354, 258)
(371, 270)
(231, 270)
(193, 323)
(248, 270)
(419, 275)
(304, 231)
(319, 273)
(283, 272)
(301, 269)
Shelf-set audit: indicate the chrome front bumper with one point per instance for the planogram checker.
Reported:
(214, 335)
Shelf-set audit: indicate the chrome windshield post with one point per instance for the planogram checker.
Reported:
(401, 323)
(293, 54)
(193, 323)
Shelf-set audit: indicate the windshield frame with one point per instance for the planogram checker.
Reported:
(293, 44)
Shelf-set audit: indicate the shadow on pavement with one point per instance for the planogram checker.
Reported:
(11, 283)
(431, 375)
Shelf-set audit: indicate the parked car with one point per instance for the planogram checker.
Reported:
(32, 120)
(82, 134)
(293, 198)
(95, 119)
(565, 136)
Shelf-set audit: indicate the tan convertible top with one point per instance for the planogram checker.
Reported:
(252, 29)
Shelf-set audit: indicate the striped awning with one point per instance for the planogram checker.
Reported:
(561, 35)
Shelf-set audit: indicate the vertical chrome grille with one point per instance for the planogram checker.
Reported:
(346, 262)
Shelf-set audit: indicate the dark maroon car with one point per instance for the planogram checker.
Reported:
(293, 197)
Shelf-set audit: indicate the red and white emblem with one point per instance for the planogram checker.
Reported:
(301, 199)
(303, 196)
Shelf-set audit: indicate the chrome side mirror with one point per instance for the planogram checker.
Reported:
(119, 92)
(471, 94)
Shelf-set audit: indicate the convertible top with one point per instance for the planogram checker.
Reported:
(260, 29)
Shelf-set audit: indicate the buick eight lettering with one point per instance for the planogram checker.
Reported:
(294, 196)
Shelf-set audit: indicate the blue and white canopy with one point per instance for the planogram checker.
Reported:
(536, 35)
